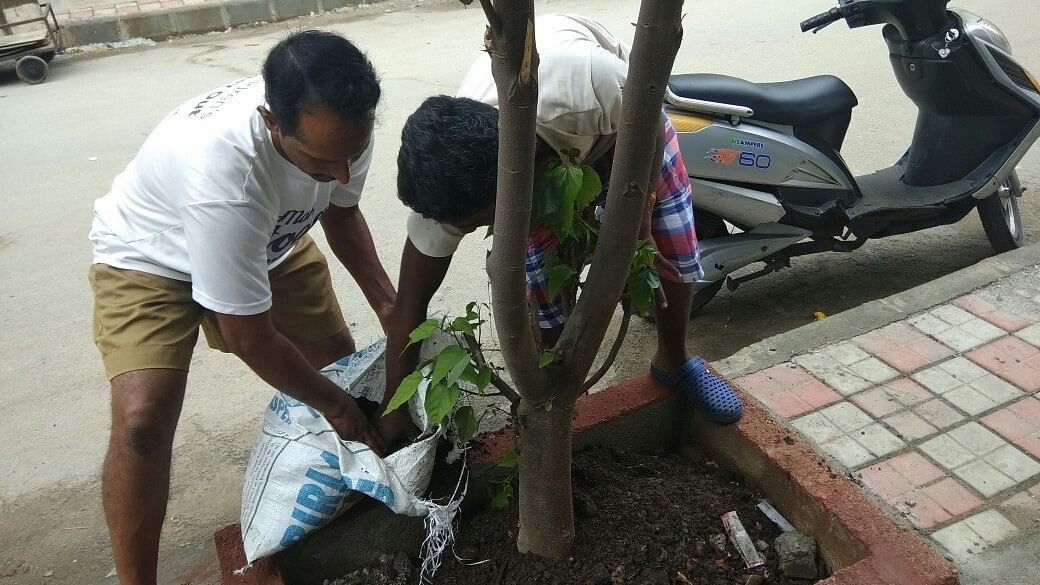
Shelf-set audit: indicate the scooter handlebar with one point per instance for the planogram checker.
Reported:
(821, 20)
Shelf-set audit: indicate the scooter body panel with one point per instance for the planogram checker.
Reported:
(758, 155)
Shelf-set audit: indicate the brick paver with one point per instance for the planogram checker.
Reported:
(967, 386)
(848, 434)
(995, 310)
(1019, 424)
(972, 535)
(981, 458)
(918, 490)
(846, 368)
(903, 347)
(1013, 359)
(956, 328)
(1028, 500)
(788, 390)
(937, 415)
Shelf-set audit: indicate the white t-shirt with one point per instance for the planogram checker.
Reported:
(582, 68)
(209, 200)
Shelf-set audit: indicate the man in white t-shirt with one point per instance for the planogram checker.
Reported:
(207, 226)
(447, 170)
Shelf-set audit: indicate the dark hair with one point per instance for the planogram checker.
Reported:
(447, 165)
(310, 68)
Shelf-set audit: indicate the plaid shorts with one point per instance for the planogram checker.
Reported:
(671, 226)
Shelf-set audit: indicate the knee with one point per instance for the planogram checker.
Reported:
(144, 427)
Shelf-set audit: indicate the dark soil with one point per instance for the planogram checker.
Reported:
(641, 519)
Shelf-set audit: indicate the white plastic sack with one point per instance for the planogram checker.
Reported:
(301, 475)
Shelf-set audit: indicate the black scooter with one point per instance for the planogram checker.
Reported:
(765, 157)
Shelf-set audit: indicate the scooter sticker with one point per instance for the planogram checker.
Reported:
(728, 156)
(747, 143)
(723, 156)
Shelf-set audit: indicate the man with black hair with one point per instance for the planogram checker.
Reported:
(207, 226)
(447, 169)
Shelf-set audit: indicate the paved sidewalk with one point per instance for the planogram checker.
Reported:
(71, 10)
(936, 415)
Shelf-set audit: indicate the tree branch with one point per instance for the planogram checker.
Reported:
(657, 39)
(492, 17)
(514, 65)
(614, 349)
(478, 356)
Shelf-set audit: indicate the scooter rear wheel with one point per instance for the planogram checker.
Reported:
(1001, 217)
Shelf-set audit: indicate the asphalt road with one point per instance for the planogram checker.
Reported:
(63, 142)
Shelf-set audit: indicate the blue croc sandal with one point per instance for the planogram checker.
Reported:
(710, 393)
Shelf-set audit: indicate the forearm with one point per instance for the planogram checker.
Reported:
(279, 363)
(401, 361)
(351, 241)
(421, 276)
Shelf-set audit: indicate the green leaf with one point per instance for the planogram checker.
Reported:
(469, 374)
(559, 276)
(590, 187)
(440, 399)
(462, 325)
(653, 278)
(509, 460)
(640, 290)
(645, 255)
(465, 423)
(546, 358)
(484, 378)
(471, 312)
(568, 194)
(501, 495)
(455, 373)
(425, 330)
(446, 362)
(405, 391)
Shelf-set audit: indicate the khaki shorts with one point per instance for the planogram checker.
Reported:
(144, 321)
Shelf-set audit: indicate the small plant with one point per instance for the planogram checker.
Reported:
(564, 194)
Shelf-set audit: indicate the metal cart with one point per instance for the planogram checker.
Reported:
(29, 37)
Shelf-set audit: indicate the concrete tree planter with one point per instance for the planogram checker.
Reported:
(858, 542)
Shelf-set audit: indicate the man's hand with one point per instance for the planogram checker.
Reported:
(278, 362)
(351, 424)
(396, 429)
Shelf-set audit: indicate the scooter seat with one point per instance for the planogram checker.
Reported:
(791, 103)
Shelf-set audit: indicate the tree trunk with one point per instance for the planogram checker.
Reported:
(546, 503)
(514, 64)
(657, 39)
(549, 394)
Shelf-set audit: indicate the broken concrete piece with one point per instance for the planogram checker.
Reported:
(797, 554)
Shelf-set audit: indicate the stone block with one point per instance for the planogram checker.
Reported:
(96, 30)
(797, 554)
(248, 12)
(286, 9)
(198, 19)
(155, 25)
